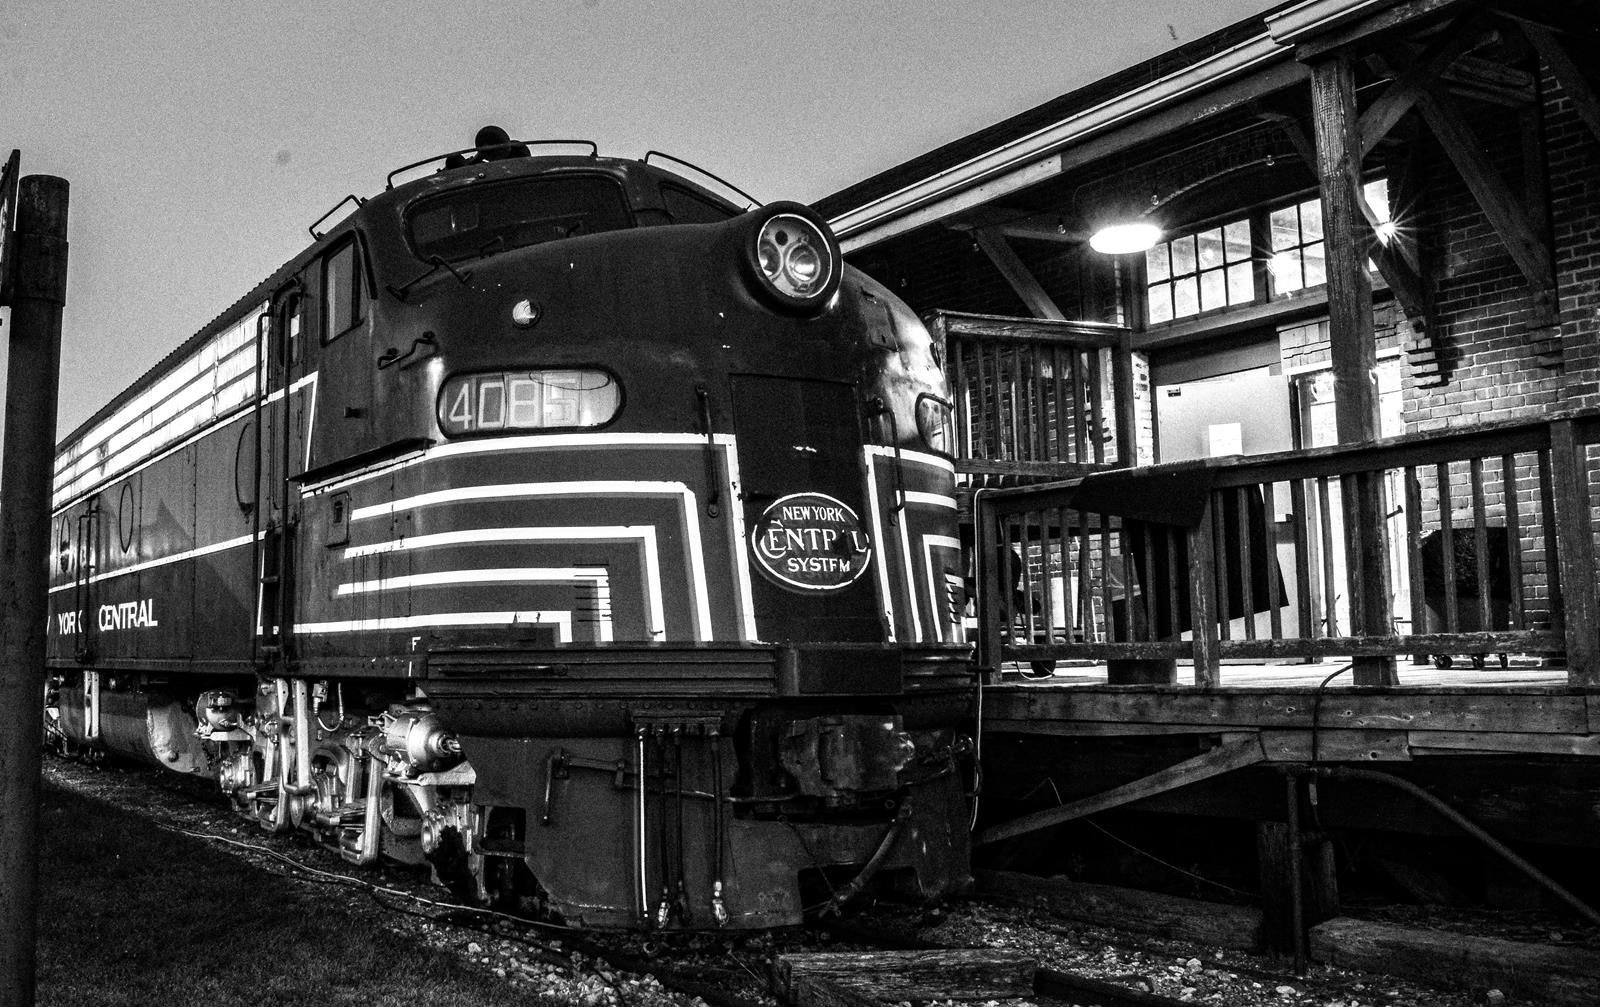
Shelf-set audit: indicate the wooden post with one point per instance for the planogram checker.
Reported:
(38, 294)
(1203, 602)
(1569, 496)
(987, 541)
(1355, 357)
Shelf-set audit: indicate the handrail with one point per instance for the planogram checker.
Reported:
(1482, 536)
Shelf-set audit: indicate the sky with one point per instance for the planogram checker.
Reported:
(201, 139)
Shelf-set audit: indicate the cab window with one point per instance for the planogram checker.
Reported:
(344, 295)
(684, 207)
(480, 220)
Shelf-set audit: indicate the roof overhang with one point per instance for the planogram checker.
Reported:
(1266, 59)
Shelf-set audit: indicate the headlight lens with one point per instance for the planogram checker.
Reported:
(791, 257)
(794, 256)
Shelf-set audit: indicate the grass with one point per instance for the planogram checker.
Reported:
(133, 915)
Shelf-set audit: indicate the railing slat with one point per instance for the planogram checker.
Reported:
(1480, 543)
(1414, 574)
(1330, 589)
(1303, 574)
(1220, 536)
(1274, 576)
(1508, 491)
(1447, 549)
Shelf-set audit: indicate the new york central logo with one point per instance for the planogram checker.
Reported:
(811, 542)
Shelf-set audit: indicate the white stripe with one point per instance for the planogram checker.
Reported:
(561, 620)
(510, 491)
(644, 535)
(886, 599)
(911, 588)
(176, 557)
(519, 442)
(930, 543)
(919, 457)
(931, 499)
(501, 575)
(741, 559)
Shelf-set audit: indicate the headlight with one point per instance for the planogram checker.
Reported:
(793, 257)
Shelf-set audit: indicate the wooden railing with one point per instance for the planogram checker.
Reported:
(1036, 398)
(1479, 542)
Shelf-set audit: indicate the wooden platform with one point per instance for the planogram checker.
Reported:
(1524, 710)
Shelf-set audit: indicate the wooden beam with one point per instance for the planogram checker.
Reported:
(1459, 709)
(1530, 973)
(1566, 69)
(1478, 743)
(1511, 221)
(1421, 73)
(1016, 273)
(1354, 351)
(1569, 479)
(893, 976)
(1349, 289)
(1225, 758)
(1170, 917)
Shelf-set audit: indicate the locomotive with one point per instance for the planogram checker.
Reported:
(553, 521)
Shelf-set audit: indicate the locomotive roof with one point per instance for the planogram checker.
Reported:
(259, 294)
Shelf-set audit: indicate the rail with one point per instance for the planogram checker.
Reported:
(1036, 399)
(1477, 542)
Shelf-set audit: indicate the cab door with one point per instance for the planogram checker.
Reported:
(280, 429)
(807, 522)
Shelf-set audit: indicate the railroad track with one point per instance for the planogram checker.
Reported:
(909, 968)
(723, 971)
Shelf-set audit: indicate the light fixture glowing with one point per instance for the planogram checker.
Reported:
(1122, 239)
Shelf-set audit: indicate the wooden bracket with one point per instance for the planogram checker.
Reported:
(1016, 272)
(1236, 752)
(1422, 73)
(1511, 220)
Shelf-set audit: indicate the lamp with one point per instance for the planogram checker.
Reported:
(1126, 237)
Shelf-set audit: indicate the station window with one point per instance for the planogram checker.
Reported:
(344, 295)
(1199, 272)
(1206, 270)
(1299, 252)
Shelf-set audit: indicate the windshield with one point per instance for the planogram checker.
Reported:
(484, 219)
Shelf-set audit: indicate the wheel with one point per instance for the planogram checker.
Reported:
(1443, 661)
(1505, 660)
(1042, 669)
(1477, 660)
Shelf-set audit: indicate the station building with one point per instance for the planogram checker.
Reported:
(1470, 133)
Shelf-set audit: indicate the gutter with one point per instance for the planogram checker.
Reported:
(1025, 160)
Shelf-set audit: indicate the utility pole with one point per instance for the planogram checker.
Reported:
(36, 265)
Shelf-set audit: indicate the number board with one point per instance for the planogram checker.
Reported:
(8, 222)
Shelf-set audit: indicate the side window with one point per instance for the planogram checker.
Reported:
(687, 208)
(344, 294)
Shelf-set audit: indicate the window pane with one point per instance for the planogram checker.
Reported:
(1185, 297)
(1236, 236)
(1183, 256)
(1285, 228)
(1156, 263)
(1316, 261)
(1210, 248)
(1310, 220)
(1213, 289)
(1160, 303)
(1377, 193)
(1286, 272)
(337, 284)
(1241, 286)
(481, 220)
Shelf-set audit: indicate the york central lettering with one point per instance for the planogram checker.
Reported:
(128, 615)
